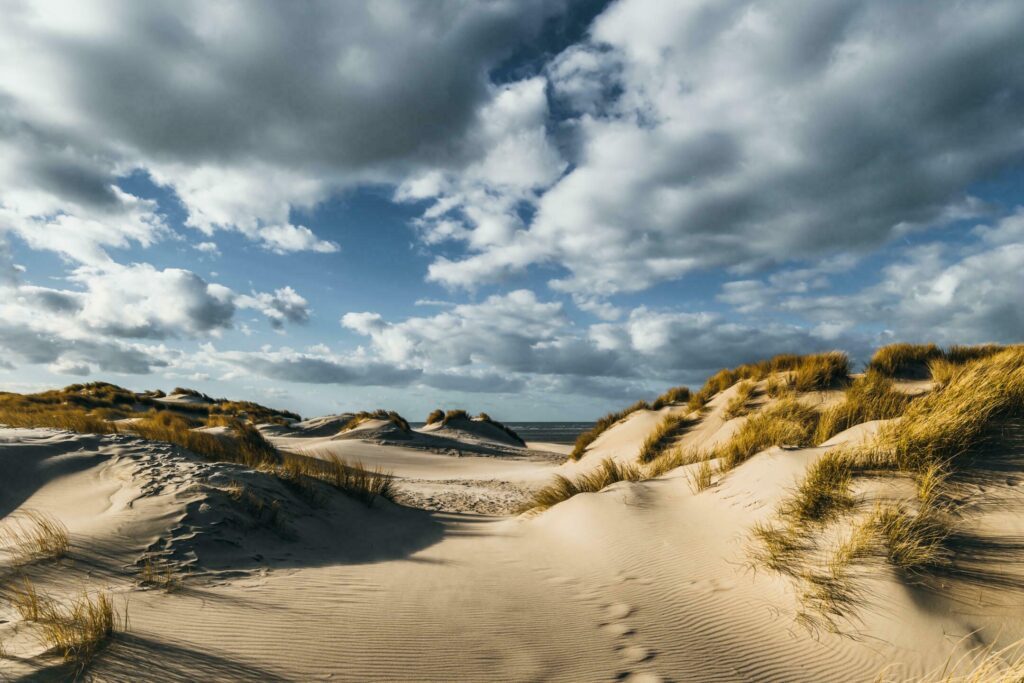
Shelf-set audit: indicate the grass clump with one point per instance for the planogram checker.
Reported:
(961, 354)
(156, 572)
(787, 423)
(362, 483)
(264, 511)
(588, 437)
(821, 371)
(435, 416)
(31, 536)
(909, 361)
(656, 441)
(563, 488)
(673, 396)
(944, 425)
(26, 601)
(823, 491)
(78, 631)
(248, 447)
(699, 478)
(914, 541)
(737, 405)
(379, 414)
(871, 397)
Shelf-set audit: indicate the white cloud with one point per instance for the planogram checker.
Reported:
(744, 134)
(284, 305)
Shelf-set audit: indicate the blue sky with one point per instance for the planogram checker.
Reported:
(544, 210)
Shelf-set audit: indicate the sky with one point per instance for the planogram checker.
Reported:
(541, 209)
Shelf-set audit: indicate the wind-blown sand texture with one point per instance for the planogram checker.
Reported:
(643, 581)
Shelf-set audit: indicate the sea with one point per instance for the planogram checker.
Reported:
(551, 432)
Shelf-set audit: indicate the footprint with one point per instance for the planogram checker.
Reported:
(619, 629)
(636, 654)
(618, 610)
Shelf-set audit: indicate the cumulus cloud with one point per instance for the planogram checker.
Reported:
(284, 305)
(744, 134)
(948, 293)
(246, 111)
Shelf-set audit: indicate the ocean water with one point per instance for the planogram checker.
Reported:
(551, 432)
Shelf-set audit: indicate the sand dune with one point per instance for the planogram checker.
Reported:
(642, 581)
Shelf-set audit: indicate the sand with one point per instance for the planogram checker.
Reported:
(643, 581)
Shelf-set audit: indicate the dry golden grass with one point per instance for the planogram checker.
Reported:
(960, 354)
(979, 665)
(672, 458)
(246, 446)
(821, 371)
(786, 423)
(31, 536)
(914, 541)
(658, 439)
(871, 397)
(435, 416)
(563, 488)
(157, 572)
(79, 630)
(737, 405)
(823, 492)
(700, 477)
(16, 413)
(904, 360)
(943, 371)
(778, 547)
(25, 599)
(943, 425)
(673, 396)
(362, 483)
(588, 437)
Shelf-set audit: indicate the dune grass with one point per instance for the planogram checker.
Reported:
(658, 439)
(361, 483)
(673, 396)
(700, 477)
(871, 397)
(786, 423)
(588, 437)
(824, 490)
(670, 459)
(904, 360)
(435, 416)
(156, 572)
(248, 447)
(821, 371)
(379, 414)
(264, 511)
(737, 405)
(31, 536)
(78, 631)
(25, 599)
(564, 488)
(928, 442)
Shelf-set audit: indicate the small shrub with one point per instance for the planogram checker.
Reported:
(435, 416)
(904, 360)
(563, 488)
